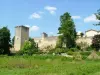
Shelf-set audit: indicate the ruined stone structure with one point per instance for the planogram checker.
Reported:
(88, 37)
(21, 35)
(46, 40)
(91, 33)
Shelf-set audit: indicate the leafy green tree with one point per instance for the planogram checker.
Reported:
(5, 41)
(29, 47)
(67, 31)
(98, 16)
(96, 42)
(35, 45)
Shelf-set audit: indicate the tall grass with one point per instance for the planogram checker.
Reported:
(47, 65)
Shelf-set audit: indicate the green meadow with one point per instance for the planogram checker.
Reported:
(47, 65)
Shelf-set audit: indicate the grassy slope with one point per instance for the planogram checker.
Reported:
(47, 65)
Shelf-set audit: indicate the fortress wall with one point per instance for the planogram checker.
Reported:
(87, 40)
(52, 41)
(91, 33)
(49, 41)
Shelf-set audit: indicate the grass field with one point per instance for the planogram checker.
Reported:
(47, 65)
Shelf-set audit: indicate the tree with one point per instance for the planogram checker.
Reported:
(67, 30)
(5, 41)
(98, 16)
(34, 44)
(29, 47)
(13, 40)
(81, 34)
(96, 42)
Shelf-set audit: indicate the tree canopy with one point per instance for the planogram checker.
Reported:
(5, 41)
(67, 31)
(29, 47)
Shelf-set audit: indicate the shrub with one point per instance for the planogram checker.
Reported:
(70, 52)
(98, 53)
(59, 50)
(73, 49)
(77, 56)
(96, 42)
(28, 48)
(85, 53)
(89, 48)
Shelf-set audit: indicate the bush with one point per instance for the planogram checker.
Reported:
(59, 50)
(73, 49)
(98, 53)
(89, 48)
(96, 42)
(85, 53)
(28, 48)
(77, 56)
(70, 52)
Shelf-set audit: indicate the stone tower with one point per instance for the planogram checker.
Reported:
(44, 35)
(21, 35)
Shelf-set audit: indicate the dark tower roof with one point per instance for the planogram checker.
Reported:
(22, 26)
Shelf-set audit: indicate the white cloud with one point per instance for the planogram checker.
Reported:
(35, 16)
(51, 9)
(91, 18)
(27, 26)
(34, 28)
(76, 17)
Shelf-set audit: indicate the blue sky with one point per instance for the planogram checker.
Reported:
(43, 15)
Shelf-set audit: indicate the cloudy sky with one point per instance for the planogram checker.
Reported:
(43, 15)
